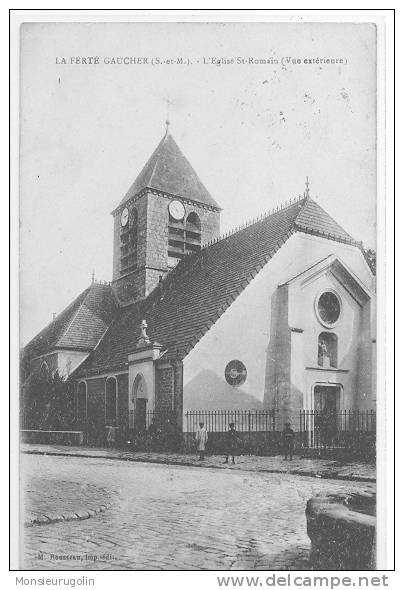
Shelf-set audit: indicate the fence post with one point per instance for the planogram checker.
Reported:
(300, 429)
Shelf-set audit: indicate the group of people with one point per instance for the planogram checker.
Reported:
(234, 442)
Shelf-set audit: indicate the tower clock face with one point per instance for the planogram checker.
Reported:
(124, 217)
(177, 210)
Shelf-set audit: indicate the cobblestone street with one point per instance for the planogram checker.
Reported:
(174, 517)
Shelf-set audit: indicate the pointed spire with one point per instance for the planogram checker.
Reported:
(93, 277)
(169, 171)
(307, 191)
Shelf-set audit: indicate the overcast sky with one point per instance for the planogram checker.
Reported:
(252, 133)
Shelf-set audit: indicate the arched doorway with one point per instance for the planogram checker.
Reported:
(327, 403)
(139, 399)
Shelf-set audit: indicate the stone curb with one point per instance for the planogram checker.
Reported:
(52, 518)
(341, 528)
(316, 474)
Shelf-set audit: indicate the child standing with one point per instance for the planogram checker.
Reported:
(288, 436)
(201, 437)
(233, 441)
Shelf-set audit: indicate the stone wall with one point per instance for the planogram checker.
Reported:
(52, 437)
(131, 286)
(165, 389)
(178, 393)
(152, 241)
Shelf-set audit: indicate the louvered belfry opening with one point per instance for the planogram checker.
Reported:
(184, 237)
(192, 233)
(128, 246)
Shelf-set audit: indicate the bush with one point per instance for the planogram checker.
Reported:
(47, 402)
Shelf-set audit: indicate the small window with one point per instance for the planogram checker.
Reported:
(111, 402)
(328, 350)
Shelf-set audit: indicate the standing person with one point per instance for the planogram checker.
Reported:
(201, 437)
(288, 435)
(233, 441)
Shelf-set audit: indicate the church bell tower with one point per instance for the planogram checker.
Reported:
(166, 214)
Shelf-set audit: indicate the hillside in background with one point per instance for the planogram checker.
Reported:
(207, 391)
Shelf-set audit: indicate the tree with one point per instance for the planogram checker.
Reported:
(371, 256)
(47, 402)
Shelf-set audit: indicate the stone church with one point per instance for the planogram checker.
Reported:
(279, 313)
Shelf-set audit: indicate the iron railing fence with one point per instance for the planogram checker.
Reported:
(337, 429)
(219, 420)
(25, 423)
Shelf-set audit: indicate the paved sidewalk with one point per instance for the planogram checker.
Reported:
(320, 468)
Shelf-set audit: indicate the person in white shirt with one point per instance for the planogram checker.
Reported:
(201, 437)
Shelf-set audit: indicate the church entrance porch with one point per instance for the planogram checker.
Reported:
(328, 428)
(327, 398)
(321, 425)
(140, 414)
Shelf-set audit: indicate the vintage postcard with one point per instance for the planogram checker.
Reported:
(200, 336)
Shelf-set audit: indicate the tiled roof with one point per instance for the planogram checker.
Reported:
(80, 326)
(195, 294)
(191, 297)
(312, 217)
(169, 171)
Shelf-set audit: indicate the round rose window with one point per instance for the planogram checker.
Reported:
(328, 307)
(235, 373)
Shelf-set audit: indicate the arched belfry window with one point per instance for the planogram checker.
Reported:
(111, 402)
(184, 232)
(128, 245)
(81, 404)
(328, 350)
(192, 233)
(176, 236)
